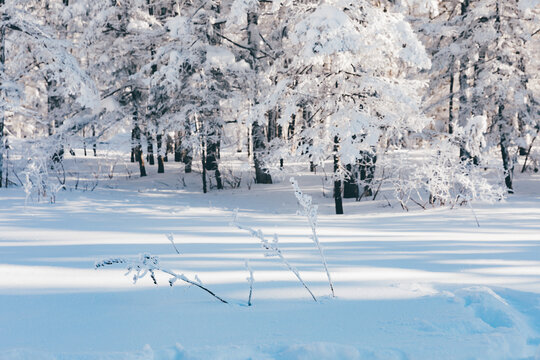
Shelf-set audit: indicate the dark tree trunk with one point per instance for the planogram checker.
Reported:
(464, 101)
(272, 125)
(203, 160)
(140, 159)
(212, 155)
(177, 146)
(135, 142)
(169, 147)
(507, 162)
(261, 175)
(150, 149)
(84, 139)
(2, 114)
(53, 104)
(161, 167)
(187, 159)
(337, 182)
(350, 187)
(248, 142)
(257, 132)
(451, 102)
(367, 170)
(94, 146)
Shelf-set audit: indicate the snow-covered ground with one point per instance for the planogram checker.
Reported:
(409, 285)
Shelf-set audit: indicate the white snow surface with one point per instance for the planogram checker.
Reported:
(409, 285)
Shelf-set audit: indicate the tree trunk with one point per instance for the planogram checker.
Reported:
(137, 147)
(464, 102)
(337, 182)
(161, 167)
(2, 114)
(203, 160)
(84, 140)
(177, 146)
(140, 159)
(367, 170)
(261, 175)
(168, 147)
(350, 187)
(212, 155)
(150, 148)
(94, 146)
(258, 139)
(507, 162)
(187, 159)
(451, 102)
(54, 103)
(135, 142)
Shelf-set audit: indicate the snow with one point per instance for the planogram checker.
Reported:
(409, 285)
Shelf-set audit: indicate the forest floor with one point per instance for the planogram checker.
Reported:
(422, 284)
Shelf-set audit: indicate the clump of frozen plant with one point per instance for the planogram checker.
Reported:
(442, 178)
(272, 250)
(309, 210)
(148, 264)
(37, 181)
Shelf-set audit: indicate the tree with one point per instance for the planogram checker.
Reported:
(31, 56)
(352, 62)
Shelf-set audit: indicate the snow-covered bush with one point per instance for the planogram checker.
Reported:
(442, 178)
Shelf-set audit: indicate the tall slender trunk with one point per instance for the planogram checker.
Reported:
(187, 152)
(261, 174)
(94, 146)
(464, 101)
(451, 101)
(464, 106)
(258, 139)
(367, 170)
(505, 155)
(53, 104)
(84, 139)
(337, 181)
(177, 146)
(2, 114)
(203, 160)
(212, 156)
(150, 148)
(135, 142)
(137, 146)
(350, 187)
(161, 166)
(140, 157)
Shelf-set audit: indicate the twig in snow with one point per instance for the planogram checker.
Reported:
(149, 264)
(310, 211)
(171, 239)
(272, 250)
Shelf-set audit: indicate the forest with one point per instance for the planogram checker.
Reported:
(359, 86)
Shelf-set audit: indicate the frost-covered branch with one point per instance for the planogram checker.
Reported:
(272, 249)
(310, 211)
(149, 264)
